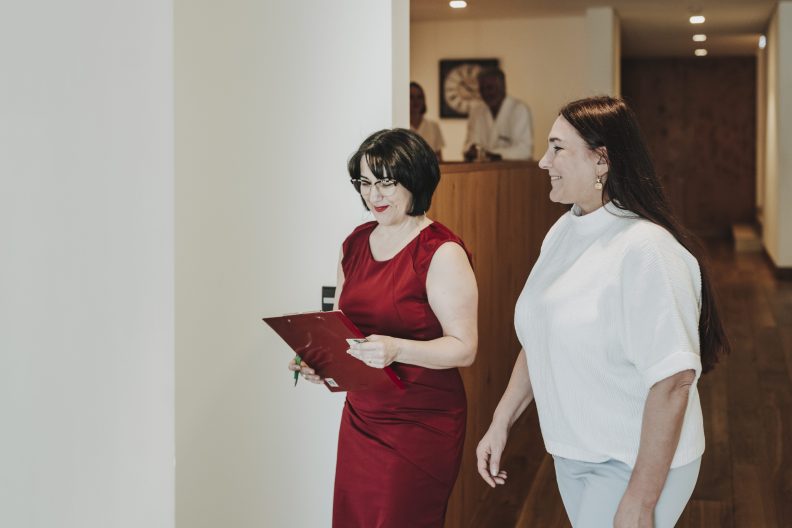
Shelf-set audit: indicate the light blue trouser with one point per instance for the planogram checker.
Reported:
(592, 491)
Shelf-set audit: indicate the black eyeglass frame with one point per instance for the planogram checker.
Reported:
(356, 183)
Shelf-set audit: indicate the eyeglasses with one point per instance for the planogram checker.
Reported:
(386, 186)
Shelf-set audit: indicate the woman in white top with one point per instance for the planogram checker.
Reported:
(429, 130)
(617, 322)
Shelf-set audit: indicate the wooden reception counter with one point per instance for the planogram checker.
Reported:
(502, 212)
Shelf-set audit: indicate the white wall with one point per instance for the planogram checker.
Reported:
(777, 233)
(271, 100)
(783, 187)
(86, 272)
(770, 212)
(400, 63)
(603, 51)
(543, 58)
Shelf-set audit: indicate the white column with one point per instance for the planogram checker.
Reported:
(271, 100)
(400, 27)
(603, 51)
(777, 232)
(783, 254)
(86, 272)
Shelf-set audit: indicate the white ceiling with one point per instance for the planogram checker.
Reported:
(650, 28)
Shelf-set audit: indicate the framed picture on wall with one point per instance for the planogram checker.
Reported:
(459, 85)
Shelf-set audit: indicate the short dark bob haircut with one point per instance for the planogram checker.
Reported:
(404, 156)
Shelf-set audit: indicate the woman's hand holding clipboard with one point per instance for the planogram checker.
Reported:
(321, 341)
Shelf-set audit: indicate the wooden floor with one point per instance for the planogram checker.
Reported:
(746, 475)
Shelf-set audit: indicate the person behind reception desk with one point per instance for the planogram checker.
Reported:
(429, 130)
(407, 283)
(617, 321)
(500, 125)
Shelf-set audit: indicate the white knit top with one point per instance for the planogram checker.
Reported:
(610, 308)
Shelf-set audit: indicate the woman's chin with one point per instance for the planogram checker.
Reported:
(387, 218)
(557, 197)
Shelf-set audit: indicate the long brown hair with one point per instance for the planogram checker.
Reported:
(632, 185)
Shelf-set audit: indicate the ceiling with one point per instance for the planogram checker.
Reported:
(649, 28)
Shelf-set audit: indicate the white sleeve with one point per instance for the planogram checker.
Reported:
(661, 301)
(521, 132)
(473, 127)
(439, 141)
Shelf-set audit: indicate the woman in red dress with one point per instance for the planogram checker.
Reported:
(407, 283)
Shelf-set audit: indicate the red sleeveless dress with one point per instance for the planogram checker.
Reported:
(398, 450)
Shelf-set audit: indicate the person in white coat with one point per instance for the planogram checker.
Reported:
(617, 322)
(500, 126)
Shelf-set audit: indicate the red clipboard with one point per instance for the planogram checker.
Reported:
(320, 339)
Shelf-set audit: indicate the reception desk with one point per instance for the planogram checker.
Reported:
(502, 212)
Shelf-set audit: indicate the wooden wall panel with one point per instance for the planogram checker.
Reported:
(699, 118)
(502, 212)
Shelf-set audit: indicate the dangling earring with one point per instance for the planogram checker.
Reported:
(598, 184)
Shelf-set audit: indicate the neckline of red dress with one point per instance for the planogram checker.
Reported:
(410, 243)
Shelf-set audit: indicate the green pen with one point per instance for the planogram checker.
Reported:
(297, 361)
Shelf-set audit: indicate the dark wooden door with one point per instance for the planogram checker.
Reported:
(699, 118)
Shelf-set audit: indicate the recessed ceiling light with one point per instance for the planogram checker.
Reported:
(762, 41)
(457, 4)
(697, 19)
(701, 52)
(700, 38)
